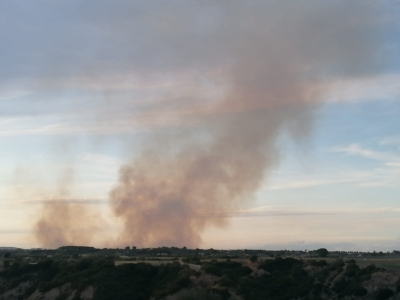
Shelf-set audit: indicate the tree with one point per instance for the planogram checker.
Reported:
(6, 264)
(322, 252)
(7, 255)
(254, 258)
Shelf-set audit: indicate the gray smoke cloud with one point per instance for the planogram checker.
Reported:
(273, 58)
(259, 69)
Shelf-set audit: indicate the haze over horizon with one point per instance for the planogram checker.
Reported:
(269, 124)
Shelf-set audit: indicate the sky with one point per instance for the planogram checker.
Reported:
(94, 92)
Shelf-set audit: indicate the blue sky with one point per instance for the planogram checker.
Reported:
(84, 87)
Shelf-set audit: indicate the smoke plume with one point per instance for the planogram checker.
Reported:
(263, 68)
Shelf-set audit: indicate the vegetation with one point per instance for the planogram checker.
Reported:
(129, 281)
(253, 258)
(252, 278)
(322, 252)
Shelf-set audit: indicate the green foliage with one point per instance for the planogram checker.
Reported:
(6, 264)
(227, 281)
(383, 294)
(253, 258)
(199, 295)
(360, 292)
(233, 270)
(320, 263)
(192, 260)
(213, 270)
(279, 264)
(337, 265)
(127, 281)
(284, 278)
(322, 252)
(367, 271)
(351, 270)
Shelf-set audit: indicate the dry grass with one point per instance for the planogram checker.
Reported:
(391, 264)
(156, 263)
(152, 262)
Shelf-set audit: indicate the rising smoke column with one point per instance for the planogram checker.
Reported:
(263, 68)
(273, 57)
(64, 223)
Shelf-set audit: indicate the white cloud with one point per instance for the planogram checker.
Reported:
(388, 141)
(101, 159)
(12, 93)
(296, 183)
(373, 88)
(355, 149)
(387, 175)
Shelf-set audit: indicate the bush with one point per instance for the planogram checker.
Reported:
(384, 294)
(351, 270)
(213, 270)
(322, 252)
(321, 263)
(340, 285)
(360, 292)
(254, 258)
(279, 264)
(6, 264)
(198, 295)
(368, 270)
(192, 260)
(227, 281)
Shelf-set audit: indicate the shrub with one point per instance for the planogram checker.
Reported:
(279, 264)
(198, 295)
(384, 294)
(351, 270)
(254, 258)
(322, 252)
(227, 281)
(360, 292)
(213, 270)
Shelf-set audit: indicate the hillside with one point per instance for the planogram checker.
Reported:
(279, 278)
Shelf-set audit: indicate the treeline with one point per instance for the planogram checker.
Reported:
(159, 251)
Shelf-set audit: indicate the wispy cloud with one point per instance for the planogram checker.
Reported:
(63, 201)
(387, 175)
(12, 93)
(356, 149)
(296, 183)
(365, 88)
(391, 140)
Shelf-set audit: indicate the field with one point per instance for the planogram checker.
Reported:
(156, 263)
(391, 264)
(386, 263)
